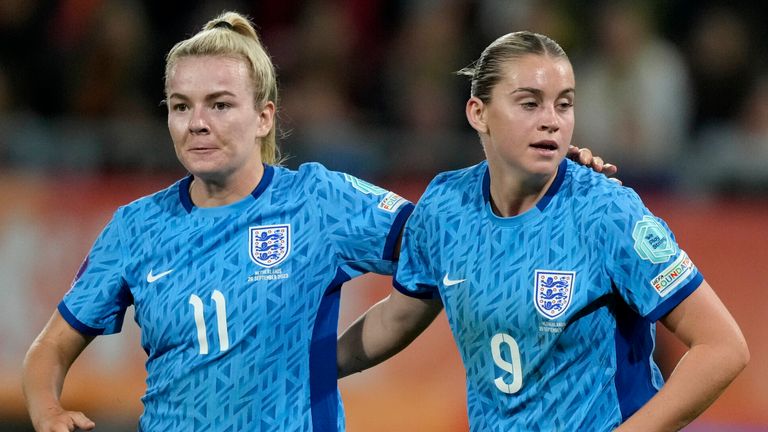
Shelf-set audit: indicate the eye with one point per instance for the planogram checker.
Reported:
(565, 105)
(179, 107)
(530, 105)
(220, 106)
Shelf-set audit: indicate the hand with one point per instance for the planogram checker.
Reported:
(64, 421)
(584, 157)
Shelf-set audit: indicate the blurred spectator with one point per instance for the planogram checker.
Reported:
(722, 62)
(633, 96)
(368, 84)
(551, 17)
(321, 120)
(732, 156)
(423, 93)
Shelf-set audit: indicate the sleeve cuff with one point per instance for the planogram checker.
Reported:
(666, 306)
(76, 324)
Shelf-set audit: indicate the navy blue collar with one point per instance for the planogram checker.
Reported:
(544, 201)
(186, 199)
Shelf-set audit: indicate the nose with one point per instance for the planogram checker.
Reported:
(198, 124)
(549, 121)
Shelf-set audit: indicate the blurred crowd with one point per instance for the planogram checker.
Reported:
(674, 92)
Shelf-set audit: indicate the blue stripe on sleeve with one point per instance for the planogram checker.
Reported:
(394, 231)
(76, 324)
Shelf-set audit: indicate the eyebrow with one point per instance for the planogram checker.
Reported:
(539, 93)
(211, 96)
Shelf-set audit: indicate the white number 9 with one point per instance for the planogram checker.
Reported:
(513, 368)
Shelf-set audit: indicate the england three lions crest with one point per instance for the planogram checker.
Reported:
(553, 291)
(269, 245)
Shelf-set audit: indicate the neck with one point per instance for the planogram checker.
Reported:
(514, 193)
(216, 192)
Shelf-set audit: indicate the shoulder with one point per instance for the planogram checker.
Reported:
(329, 184)
(312, 173)
(144, 209)
(584, 183)
(457, 184)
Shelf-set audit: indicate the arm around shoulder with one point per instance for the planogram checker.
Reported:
(717, 353)
(45, 367)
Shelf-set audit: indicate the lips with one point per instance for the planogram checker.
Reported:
(545, 145)
(201, 149)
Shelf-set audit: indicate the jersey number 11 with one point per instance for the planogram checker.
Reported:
(221, 320)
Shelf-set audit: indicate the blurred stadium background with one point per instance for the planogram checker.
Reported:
(674, 92)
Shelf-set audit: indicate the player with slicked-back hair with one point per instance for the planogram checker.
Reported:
(552, 277)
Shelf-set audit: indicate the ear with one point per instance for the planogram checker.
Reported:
(266, 118)
(475, 111)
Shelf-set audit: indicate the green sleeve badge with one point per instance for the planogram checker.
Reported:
(652, 241)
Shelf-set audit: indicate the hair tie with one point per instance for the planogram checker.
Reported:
(223, 24)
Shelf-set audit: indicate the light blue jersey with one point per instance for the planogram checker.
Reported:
(553, 310)
(238, 305)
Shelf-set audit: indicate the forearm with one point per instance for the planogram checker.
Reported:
(45, 367)
(43, 379)
(699, 378)
(383, 331)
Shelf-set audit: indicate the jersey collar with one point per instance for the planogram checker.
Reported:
(186, 199)
(544, 201)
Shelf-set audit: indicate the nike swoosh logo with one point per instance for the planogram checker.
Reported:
(152, 278)
(448, 282)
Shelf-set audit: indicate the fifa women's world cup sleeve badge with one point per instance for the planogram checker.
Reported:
(553, 291)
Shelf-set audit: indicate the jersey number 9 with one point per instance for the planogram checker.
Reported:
(504, 341)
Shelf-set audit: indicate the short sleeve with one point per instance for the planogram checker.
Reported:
(97, 301)
(643, 259)
(414, 276)
(363, 221)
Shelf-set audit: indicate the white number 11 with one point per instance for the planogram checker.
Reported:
(221, 320)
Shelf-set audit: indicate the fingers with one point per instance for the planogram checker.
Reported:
(67, 421)
(610, 169)
(584, 156)
(573, 152)
(82, 422)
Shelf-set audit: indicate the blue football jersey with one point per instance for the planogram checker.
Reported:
(238, 305)
(553, 310)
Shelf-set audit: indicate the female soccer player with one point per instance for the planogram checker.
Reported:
(552, 277)
(234, 271)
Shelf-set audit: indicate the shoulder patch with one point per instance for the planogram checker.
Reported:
(652, 241)
(391, 202)
(673, 275)
(363, 186)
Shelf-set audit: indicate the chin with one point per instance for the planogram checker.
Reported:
(545, 167)
(203, 170)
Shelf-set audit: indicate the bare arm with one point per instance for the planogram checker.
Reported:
(717, 352)
(383, 331)
(45, 366)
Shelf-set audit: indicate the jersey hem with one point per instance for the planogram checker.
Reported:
(405, 291)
